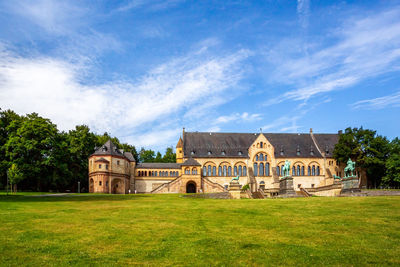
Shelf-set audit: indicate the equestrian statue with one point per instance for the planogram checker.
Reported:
(349, 169)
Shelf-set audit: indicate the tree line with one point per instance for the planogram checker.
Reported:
(379, 157)
(39, 157)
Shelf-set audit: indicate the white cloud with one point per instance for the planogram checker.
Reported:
(303, 11)
(53, 88)
(392, 100)
(366, 47)
(55, 17)
(238, 117)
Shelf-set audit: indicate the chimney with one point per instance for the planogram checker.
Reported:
(310, 130)
(340, 132)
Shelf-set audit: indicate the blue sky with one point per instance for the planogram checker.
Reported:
(142, 70)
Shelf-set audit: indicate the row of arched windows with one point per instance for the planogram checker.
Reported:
(259, 169)
(194, 171)
(224, 170)
(298, 170)
(261, 157)
(158, 173)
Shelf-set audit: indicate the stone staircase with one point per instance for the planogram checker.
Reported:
(303, 192)
(258, 194)
(165, 188)
(215, 187)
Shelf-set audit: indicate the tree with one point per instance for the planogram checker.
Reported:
(369, 150)
(146, 155)
(169, 156)
(14, 177)
(31, 145)
(392, 177)
(6, 117)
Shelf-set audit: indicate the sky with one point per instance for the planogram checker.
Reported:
(142, 70)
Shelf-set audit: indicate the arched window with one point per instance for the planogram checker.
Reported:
(313, 170)
(204, 171)
(240, 170)
(298, 170)
(229, 171)
(219, 171)
(261, 157)
(267, 169)
(265, 157)
(155, 173)
(209, 170)
(278, 171)
(261, 172)
(256, 157)
(224, 169)
(255, 169)
(309, 171)
(318, 171)
(244, 171)
(261, 146)
(302, 170)
(293, 171)
(235, 173)
(214, 171)
(161, 173)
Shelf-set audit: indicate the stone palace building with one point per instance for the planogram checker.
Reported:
(207, 162)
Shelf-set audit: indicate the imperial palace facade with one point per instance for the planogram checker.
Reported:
(207, 162)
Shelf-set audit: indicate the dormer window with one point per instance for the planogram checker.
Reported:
(327, 150)
(298, 151)
(192, 153)
(311, 151)
(281, 153)
(104, 148)
(209, 153)
(240, 153)
(223, 153)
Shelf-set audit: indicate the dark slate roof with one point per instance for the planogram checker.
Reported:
(101, 160)
(160, 165)
(110, 149)
(289, 144)
(191, 162)
(199, 144)
(129, 156)
(326, 142)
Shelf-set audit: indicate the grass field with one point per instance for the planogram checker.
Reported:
(172, 230)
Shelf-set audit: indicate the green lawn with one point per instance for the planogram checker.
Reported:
(172, 230)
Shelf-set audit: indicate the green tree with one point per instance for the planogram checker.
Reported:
(369, 150)
(14, 177)
(31, 145)
(392, 177)
(169, 156)
(158, 157)
(146, 155)
(6, 117)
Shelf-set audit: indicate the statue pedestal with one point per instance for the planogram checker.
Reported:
(234, 189)
(350, 183)
(286, 186)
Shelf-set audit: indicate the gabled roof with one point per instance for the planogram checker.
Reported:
(214, 145)
(109, 149)
(159, 165)
(191, 162)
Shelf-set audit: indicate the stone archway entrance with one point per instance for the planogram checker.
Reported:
(117, 186)
(191, 187)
